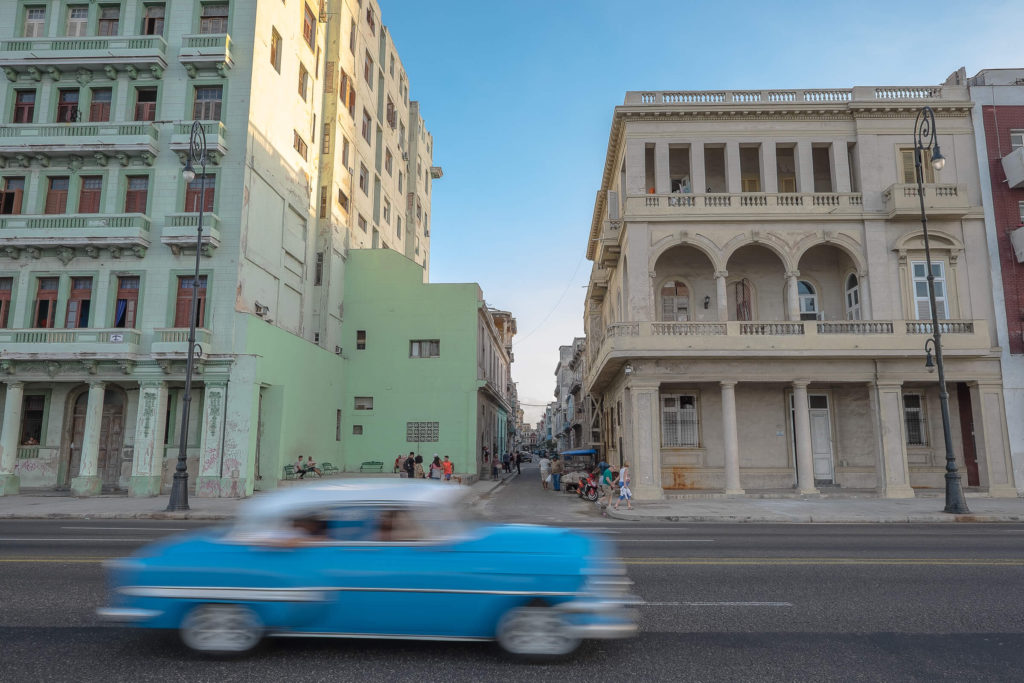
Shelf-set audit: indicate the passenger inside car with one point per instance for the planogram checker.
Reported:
(398, 526)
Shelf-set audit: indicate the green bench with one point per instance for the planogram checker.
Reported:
(289, 471)
(372, 466)
(329, 469)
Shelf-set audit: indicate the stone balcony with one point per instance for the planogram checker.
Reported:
(947, 201)
(52, 56)
(206, 51)
(71, 235)
(745, 205)
(172, 342)
(21, 143)
(179, 232)
(780, 339)
(216, 139)
(1013, 167)
(83, 343)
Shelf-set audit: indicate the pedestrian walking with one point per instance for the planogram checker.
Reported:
(418, 468)
(545, 471)
(448, 468)
(398, 464)
(623, 483)
(557, 468)
(608, 479)
(435, 467)
(519, 460)
(409, 466)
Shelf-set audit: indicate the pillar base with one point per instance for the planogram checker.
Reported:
(10, 484)
(208, 487)
(144, 486)
(1002, 491)
(899, 492)
(86, 486)
(644, 492)
(809, 492)
(233, 487)
(735, 492)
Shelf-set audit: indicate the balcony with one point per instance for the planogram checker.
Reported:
(206, 51)
(36, 56)
(173, 341)
(23, 142)
(740, 205)
(1013, 167)
(179, 232)
(69, 235)
(608, 251)
(782, 339)
(946, 201)
(216, 139)
(81, 343)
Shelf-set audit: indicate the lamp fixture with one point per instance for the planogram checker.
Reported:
(707, 301)
(628, 369)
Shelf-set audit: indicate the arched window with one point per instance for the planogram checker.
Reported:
(675, 302)
(808, 300)
(852, 297)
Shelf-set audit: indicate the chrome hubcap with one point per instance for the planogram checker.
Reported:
(536, 631)
(221, 628)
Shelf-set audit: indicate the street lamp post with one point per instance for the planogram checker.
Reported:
(925, 138)
(196, 155)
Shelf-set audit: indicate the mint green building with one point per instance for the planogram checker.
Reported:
(426, 368)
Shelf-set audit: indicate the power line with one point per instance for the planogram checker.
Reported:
(553, 308)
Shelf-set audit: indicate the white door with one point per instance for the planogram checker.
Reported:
(821, 438)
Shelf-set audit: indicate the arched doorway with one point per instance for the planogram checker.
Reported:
(111, 437)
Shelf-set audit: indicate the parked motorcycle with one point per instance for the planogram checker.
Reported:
(588, 488)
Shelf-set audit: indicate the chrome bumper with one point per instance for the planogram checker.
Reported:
(606, 631)
(126, 614)
(614, 617)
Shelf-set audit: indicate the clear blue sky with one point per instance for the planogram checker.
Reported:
(519, 98)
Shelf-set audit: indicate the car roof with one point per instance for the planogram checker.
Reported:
(319, 495)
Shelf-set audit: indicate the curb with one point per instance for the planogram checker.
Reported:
(921, 518)
(191, 514)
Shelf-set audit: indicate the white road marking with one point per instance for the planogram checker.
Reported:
(70, 538)
(720, 604)
(664, 540)
(123, 528)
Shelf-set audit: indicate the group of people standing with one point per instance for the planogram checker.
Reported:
(551, 472)
(411, 467)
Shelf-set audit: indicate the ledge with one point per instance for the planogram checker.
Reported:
(71, 235)
(130, 54)
(179, 232)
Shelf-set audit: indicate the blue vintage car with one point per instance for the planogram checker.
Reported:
(375, 558)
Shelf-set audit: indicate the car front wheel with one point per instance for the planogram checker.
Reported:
(221, 629)
(536, 633)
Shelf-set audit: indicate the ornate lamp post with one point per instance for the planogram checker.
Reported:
(925, 139)
(196, 155)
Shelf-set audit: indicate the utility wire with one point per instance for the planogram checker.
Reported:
(553, 308)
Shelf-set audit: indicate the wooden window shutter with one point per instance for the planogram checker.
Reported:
(136, 195)
(89, 196)
(56, 197)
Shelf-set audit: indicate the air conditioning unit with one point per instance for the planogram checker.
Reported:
(337, 350)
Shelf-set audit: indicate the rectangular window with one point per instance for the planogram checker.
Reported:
(352, 38)
(32, 420)
(343, 87)
(183, 305)
(367, 124)
(318, 271)
(362, 223)
(24, 106)
(136, 194)
(325, 140)
(342, 199)
(425, 348)
(1016, 139)
(1020, 211)
(387, 212)
(207, 103)
(11, 196)
(303, 82)
(398, 226)
(309, 26)
(46, 302)
(344, 152)
(145, 104)
(89, 195)
(337, 425)
(323, 201)
(153, 20)
(392, 114)
(360, 340)
(679, 427)
(67, 106)
(922, 307)
(78, 21)
(110, 18)
(388, 161)
(99, 107)
(371, 21)
(910, 172)
(275, 49)
(194, 194)
(364, 179)
(79, 303)
(368, 70)
(6, 285)
(401, 177)
(127, 302)
(357, 429)
(364, 402)
(352, 102)
(299, 144)
(35, 22)
(391, 68)
(913, 418)
(57, 195)
(214, 18)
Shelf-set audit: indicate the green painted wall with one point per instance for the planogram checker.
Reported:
(389, 301)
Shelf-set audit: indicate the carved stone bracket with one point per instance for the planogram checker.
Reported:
(11, 74)
(111, 72)
(132, 71)
(92, 252)
(165, 365)
(42, 160)
(12, 252)
(157, 71)
(122, 159)
(139, 251)
(83, 76)
(22, 160)
(191, 70)
(52, 368)
(127, 366)
(148, 158)
(115, 251)
(53, 72)
(34, 73)
(34, 252)
(100, 158)
(222, 69)
(65, 254)
(91, 366)
(7, 367)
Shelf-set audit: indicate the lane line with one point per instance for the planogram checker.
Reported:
(823, 561)
(124, 528)
(664, 540)
(72, 538)
(55, 560)
(717, 604)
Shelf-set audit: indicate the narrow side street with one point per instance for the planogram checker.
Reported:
(523, 500)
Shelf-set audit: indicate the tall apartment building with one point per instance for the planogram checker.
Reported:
(757, 308)
(97, 232)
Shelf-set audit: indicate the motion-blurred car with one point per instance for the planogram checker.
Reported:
(525, 457)
(375, 558)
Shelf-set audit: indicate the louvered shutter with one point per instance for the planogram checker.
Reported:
(909, 173)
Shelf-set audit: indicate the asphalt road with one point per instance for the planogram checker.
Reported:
(725, 603)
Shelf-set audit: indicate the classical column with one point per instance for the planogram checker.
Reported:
(11, 430)
(88, 483)
(733, 178)
(211, 455)
(662, 181)
(840, 158)
(804, 167)
(866, 312)
(697, 177)
(769, 166)
(721, 295)
(804, 458)
(891, 440)
(645, 439)
(991, 439)
(792, 295)
(148, 459)
(730, 438)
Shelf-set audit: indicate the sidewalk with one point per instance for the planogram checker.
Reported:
(822, 510)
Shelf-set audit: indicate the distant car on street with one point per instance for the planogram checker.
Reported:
(375, 558)
(525, 457)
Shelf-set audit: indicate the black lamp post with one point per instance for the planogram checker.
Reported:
(197, 155)
(925, 139)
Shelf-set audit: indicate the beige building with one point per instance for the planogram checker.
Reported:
(757, 310)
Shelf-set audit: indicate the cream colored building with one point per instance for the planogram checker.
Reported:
(756, 316)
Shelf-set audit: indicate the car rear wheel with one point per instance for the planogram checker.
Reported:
(536, 633)
(221, 629)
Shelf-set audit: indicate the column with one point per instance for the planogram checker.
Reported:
(635, 167)
(733, 179)
(88, 483)
(662, 181)
(840, 158)
(644, 437)
(893, 471)
(148, 460)
(769, 167)
(991, 438)
(804, 167)
(866, 313)
(211, 455)
(730, 438)
(792, 295)
(721, 295)
(804, 458)
(9, 483)
(697, 177)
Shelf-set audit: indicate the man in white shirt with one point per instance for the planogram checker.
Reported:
(545, 470)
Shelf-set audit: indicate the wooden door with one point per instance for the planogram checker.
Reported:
(76, 433)
(963, 397)
(111, 442)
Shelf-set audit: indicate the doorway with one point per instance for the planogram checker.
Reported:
(821, 437)
(963, 400)
(110, 460)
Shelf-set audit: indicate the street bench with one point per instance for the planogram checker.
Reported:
(289, 471)
(372, 466)
(329, 469)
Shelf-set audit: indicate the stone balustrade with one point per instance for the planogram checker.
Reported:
(794, 204)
